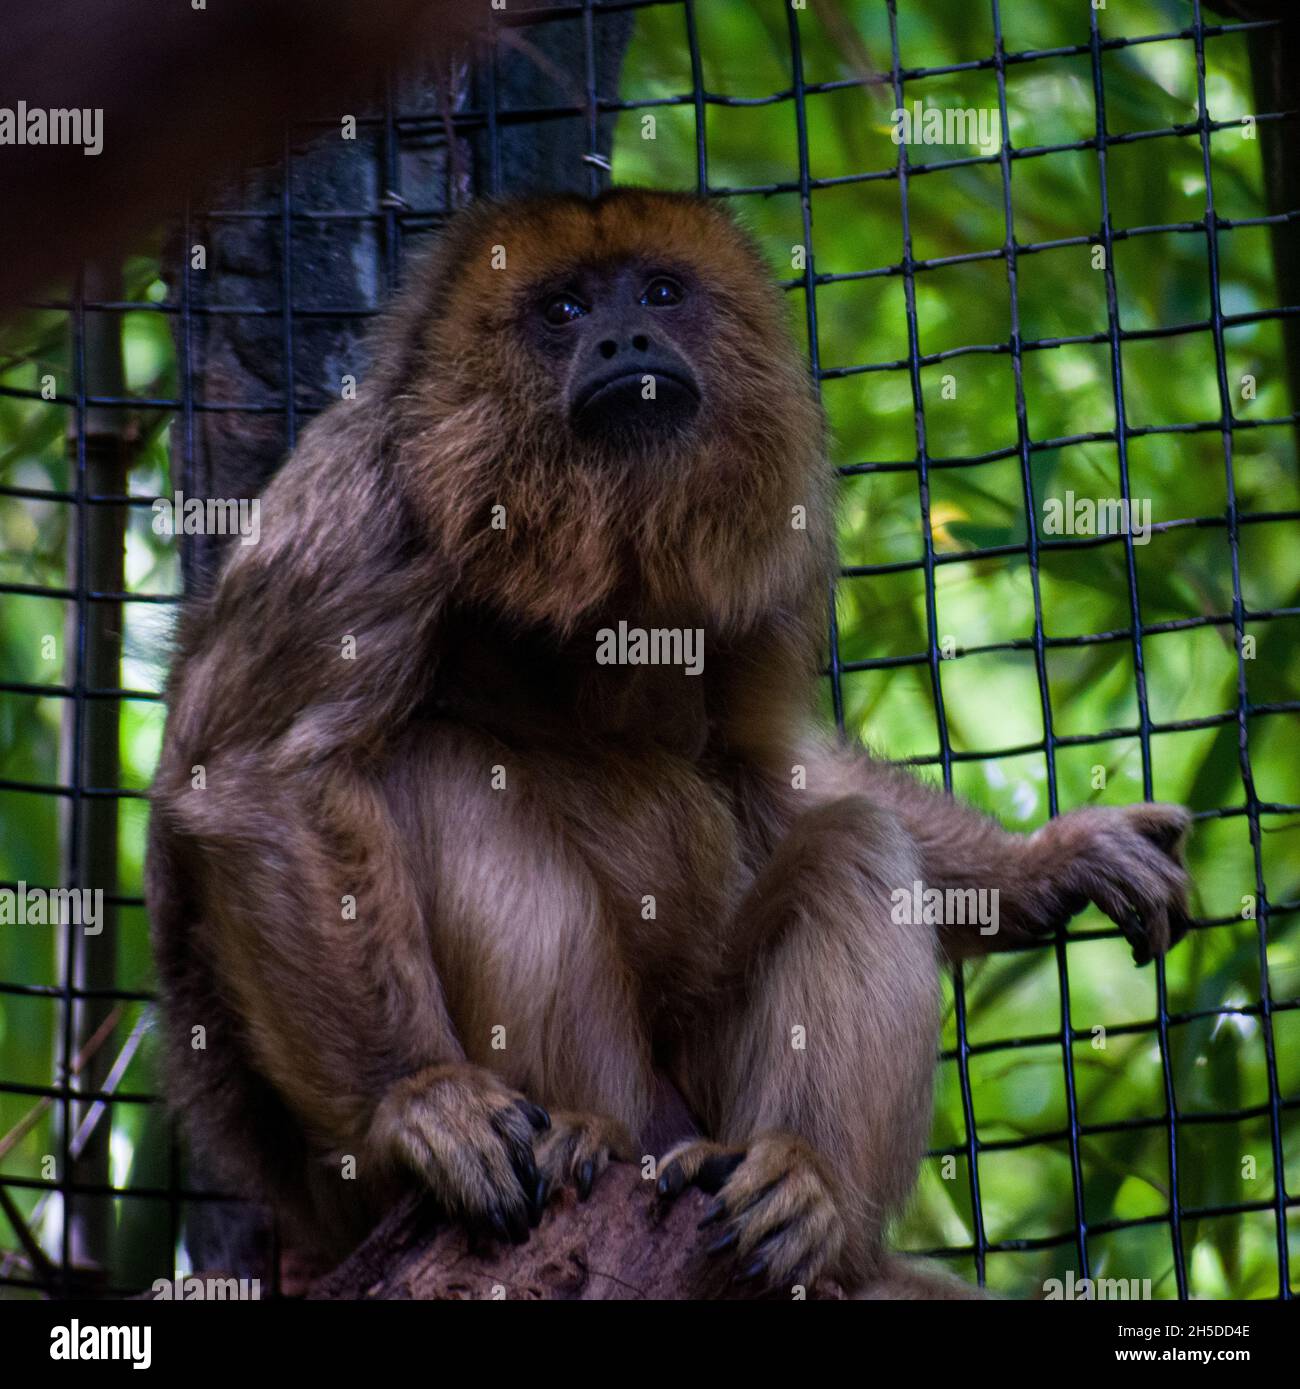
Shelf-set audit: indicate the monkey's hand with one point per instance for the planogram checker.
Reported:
(776, 1215)
(470, 1137)
(1128, 860)
(577, 1149)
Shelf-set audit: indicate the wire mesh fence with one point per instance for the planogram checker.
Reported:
(90, 1171)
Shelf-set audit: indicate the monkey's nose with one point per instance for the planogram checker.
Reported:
(637, 343)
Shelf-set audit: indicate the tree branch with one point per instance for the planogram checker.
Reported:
(621, 1243)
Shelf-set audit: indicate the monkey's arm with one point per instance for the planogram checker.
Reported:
(319, 637)
(277, 871)
(314, 932)
(1127, 860)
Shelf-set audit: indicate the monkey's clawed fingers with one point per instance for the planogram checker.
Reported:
(471, 1138)
(1129, 861)
(577, 1149)
(697, 1163)
(775, 1215)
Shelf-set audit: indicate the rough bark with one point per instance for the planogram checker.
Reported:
(619, 1244)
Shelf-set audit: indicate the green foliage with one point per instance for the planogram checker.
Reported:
(992, 697)
(35, 536)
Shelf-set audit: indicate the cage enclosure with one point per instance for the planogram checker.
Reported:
(1043, 262)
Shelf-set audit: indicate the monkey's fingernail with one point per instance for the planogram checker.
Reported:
(525, 1167)
(518, 1219)
(714, 1171)
(535, 1114)
(672, 1181)
(586, 1174)
(714, 1212)
(728, 1241)
(535, 1199)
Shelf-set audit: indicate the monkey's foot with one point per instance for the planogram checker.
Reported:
(577, 1149)
(470, 1137)
(776, 1216)
(1128, 860)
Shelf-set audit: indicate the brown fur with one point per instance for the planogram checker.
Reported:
(479, 908)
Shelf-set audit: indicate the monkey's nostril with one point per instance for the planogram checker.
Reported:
(640, 342)
(608, 347)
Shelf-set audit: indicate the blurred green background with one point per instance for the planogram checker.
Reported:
(991, 699)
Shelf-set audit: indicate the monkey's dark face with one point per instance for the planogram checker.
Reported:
(601, 402)
(622, 338)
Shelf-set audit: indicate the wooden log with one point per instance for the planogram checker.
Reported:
(621, 1243)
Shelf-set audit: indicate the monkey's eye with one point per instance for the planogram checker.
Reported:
(561, 309)
(661, 293)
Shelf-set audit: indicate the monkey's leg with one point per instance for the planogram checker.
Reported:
(817, 1075)
(527, 953)
(1126, 859)
(338, 1006)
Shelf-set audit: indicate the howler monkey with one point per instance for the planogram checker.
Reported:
(434, 845)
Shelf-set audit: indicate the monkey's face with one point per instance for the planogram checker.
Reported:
(621, 337)
(636, 327)
(601, 401)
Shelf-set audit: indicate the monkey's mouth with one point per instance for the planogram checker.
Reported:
(650, 400)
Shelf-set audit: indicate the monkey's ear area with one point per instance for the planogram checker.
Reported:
(431, 280)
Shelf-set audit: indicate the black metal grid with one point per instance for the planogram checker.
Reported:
(396, 220)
